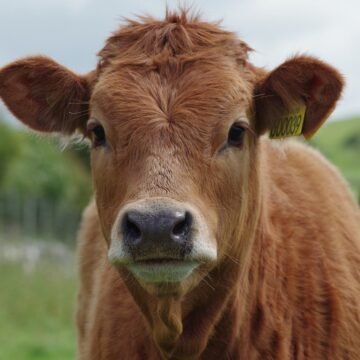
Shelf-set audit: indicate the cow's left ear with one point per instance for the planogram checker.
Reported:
(44, 95)
(303, 83)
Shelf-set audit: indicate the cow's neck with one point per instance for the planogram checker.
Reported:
(190, 328)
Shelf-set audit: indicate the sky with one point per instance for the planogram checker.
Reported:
(73, 31)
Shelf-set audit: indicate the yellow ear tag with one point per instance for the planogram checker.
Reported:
(290, 124)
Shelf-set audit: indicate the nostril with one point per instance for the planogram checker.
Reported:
(130, 229)
(182, 228)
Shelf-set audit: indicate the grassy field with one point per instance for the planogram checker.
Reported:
(36, 312)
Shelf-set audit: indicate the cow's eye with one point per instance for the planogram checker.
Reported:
(99, 138)
(236, 135)
(97, 134)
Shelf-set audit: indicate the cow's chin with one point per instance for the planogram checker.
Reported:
(175, 284)
(166, 289)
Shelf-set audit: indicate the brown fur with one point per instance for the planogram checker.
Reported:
(286, 282)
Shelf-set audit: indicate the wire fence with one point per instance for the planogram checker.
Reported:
(37, 218)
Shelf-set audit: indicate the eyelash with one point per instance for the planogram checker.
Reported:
(236, 135)
(97, 134)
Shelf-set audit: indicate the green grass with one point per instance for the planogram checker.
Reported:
(339, 141)
(37, 312)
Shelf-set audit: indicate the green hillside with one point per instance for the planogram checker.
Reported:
(339, 141)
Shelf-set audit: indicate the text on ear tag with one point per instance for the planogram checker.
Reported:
(290, 124)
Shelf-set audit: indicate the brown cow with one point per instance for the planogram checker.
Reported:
(223, 244)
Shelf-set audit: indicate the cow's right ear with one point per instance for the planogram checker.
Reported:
(44, 95)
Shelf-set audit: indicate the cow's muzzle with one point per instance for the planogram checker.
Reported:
(160, 240)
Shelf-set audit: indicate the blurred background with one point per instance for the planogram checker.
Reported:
(43, 188)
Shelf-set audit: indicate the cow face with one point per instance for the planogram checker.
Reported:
(171, 150)
(173, 112)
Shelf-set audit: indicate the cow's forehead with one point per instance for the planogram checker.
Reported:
(172, 70)
(205, 92)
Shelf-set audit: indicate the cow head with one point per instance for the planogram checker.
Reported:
(174, 112)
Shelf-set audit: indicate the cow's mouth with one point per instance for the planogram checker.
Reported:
(162, 270)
